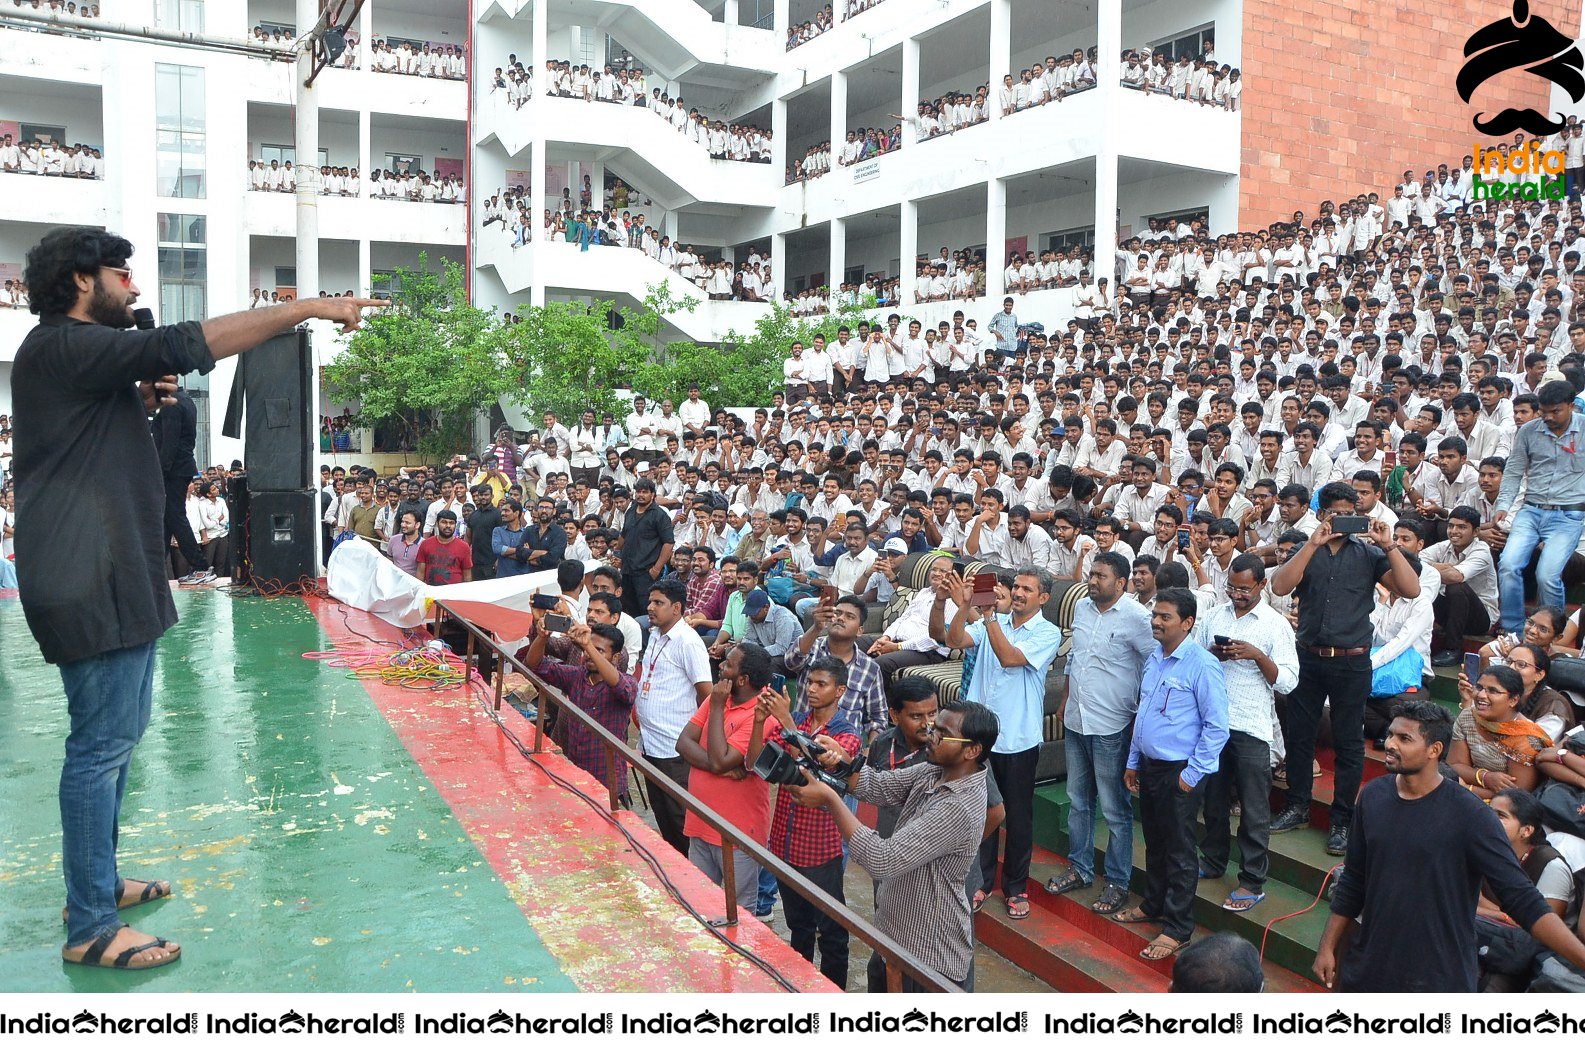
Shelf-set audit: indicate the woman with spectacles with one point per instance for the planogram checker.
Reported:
(1544, 628)
(1494, 745)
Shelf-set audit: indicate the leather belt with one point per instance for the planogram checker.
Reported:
(1556, 506)
(1330, 651)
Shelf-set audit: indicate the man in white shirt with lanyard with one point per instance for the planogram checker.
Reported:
(674, 679)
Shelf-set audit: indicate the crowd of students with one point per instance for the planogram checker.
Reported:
(51, 159)
(342, 181)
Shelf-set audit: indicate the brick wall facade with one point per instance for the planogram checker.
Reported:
(1340, 98)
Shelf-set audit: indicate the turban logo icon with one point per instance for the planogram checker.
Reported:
(1521, 42)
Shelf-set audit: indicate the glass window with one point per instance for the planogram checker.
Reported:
(1081, 237)
(181, 144)
(183, 16)
(289, 153)
(184, 295)
(1190, 44)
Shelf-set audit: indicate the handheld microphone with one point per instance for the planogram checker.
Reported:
(143, 318)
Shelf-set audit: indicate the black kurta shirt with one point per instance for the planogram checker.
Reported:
(1337, 594)
(90, 501)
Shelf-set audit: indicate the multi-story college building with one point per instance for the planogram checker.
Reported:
(1333, 99)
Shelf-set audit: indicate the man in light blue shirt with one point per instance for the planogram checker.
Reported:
(1178, 738)
(1012, 653)
(1111, 642)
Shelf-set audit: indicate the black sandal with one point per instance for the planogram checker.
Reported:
(156, 890)
(1112, 898)
(1067, 882)
(94, 956)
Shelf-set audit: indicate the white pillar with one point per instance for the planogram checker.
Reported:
(995, 238)
(305, 147)
(910, 101)
(731, 13)
(1108, 71)
(365, 148)
(838, 263)
(778, 140)
(778, 263)
(597, 182)
(536, 161)
(365, 267)
(780, 18)
(908, 252)
(839, 112)
(1001, 50)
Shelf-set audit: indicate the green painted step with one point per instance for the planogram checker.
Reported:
(1297, 858)
(1291, 943)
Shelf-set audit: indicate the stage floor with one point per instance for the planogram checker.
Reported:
(329, 834)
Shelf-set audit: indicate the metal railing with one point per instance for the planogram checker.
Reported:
(899, 960)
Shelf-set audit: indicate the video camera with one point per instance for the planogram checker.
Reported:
(777, 765)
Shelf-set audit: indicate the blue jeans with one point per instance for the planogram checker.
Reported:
(1095, 770)
(1558, 534)
(108, 698)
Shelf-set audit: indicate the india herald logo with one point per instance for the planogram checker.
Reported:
(1526, 42)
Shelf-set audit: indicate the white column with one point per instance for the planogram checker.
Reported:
(1001, 50)
(780, 19)
(365, 267)
(910, 101)
(908, 252)
(536, 162)
(838, 263)
(597, 182)
(365, 149)
(995, 238)
(778, 139)
(778, 263)
(1108, 71)
(839, 112)
(731, 13)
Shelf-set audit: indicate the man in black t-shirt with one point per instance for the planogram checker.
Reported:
(646, 546)
(481, 528)
(96, 599)
(1420, 848)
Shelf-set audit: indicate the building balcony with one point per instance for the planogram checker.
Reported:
(670, 37)
(58, 201)
(617, 273)
(1168, 131)
(671, 167)
(266, 214)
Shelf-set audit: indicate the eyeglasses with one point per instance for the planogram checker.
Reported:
(933, 730)
(126, 274)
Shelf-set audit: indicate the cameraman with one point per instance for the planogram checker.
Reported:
(920, 902)
(810, 842)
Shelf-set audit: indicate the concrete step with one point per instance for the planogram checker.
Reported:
(1064, 955)
(1290, 944)
(1128, 939)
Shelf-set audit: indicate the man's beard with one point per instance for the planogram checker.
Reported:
(107, 309)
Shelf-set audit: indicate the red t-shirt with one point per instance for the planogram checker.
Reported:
(444, 562)
(746, 802)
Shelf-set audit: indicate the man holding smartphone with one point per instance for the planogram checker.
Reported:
(1334, 577)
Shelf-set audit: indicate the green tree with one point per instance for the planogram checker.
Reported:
(426, 366)
(567, 358)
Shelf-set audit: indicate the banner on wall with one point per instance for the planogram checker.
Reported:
(1015, 246)
(445, 166)
(555, 180)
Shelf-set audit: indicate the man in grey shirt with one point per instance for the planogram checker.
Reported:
(1004, 326)
(1111, 642)
(1548, 459)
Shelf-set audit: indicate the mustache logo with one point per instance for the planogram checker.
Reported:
(1521, 42)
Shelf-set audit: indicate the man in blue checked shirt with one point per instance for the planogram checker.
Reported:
(1178, 738)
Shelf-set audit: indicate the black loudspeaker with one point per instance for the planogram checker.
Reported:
(279, 407)
(238, 551)
(282, 528)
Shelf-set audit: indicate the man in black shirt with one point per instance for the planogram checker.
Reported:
(481, 529)
(97, 599)
(546, 541)
(175, 429)
(1420, 847)
(646, 548)
(1334, 577)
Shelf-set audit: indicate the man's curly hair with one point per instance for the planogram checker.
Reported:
(65, 252)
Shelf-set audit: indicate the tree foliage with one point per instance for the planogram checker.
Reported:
(566, 358)
(427, 365)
